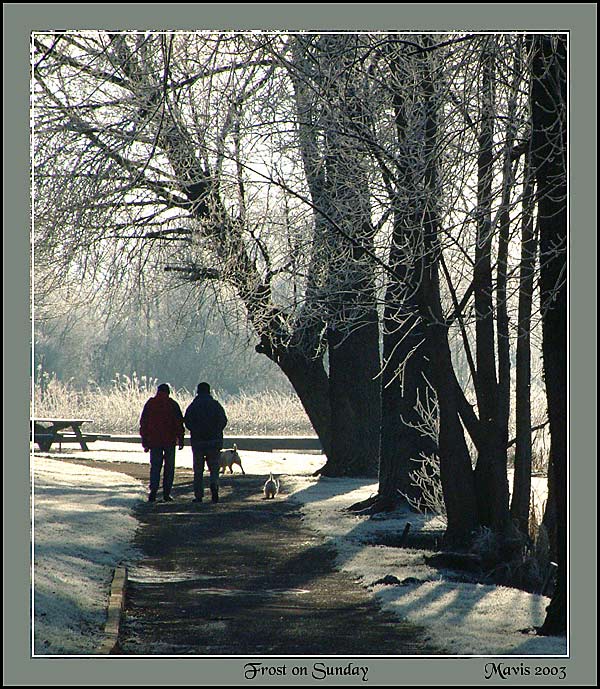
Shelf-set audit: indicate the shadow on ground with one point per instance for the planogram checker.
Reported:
(246, 577)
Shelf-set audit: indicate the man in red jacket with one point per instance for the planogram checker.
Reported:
(161, 428)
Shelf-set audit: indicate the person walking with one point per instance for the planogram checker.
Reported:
(206, 420)
(161, 429)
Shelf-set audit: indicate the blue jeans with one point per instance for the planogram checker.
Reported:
(158, 456)
(210, 456)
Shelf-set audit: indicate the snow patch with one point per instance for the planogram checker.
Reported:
(82, 529)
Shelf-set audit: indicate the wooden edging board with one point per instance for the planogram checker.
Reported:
(116, 603)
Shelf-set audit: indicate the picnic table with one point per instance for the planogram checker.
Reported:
(49, 431)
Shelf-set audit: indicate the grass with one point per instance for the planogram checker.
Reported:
(116, 408)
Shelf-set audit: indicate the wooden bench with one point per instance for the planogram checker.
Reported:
(46, 432)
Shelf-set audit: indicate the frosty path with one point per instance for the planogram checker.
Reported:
(246, 577)
(277, 562)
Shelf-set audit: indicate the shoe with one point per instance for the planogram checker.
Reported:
(167, 498)
(151, 497)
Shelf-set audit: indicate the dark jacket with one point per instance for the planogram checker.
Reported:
(206, 420)
(161, 422)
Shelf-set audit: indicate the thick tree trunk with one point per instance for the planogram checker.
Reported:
(309, 379)
(456, 472)
(338, 184)
(354, 396)
(491, 470)
(342, 405)
(549, 94)
(403, 442)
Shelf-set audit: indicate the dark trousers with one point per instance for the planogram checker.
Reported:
(158, 457)
(210, 456)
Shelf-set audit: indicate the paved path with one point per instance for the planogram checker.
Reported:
(246, 577)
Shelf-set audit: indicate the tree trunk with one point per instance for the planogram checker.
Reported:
(549, 519)
(309, 379)
(302, 365)
(521, 495)
(355, 402)
(339, 188)
(456, 473)
(504, 238)
(491, 470)
(403, 442)
(549, 87)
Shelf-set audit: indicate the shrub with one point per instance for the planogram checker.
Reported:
(426, 478)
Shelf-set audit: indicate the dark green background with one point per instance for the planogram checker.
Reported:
(19, 21)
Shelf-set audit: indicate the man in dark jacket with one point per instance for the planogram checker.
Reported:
(206, 420)
(161, 428)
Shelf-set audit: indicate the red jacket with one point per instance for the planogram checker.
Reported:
(161, 422)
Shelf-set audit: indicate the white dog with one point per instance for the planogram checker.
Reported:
(228, 458)
(271, 487)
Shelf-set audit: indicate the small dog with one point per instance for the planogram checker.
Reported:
(228, 458)
(271, 487)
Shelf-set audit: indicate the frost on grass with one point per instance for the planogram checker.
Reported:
(464, 619)
(82, 529)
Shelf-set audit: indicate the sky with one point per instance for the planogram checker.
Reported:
(84, 527)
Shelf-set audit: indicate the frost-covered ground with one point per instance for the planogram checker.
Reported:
(83, 526)
(459, 618)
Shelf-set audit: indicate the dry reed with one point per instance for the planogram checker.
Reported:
(116, 408)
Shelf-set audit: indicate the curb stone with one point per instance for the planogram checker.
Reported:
(116, 603)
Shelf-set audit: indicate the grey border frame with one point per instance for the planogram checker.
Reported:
(19, 20)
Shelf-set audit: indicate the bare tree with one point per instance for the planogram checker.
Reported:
(334, 185)
(549, 116)
(166, 161)
(329, 97)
